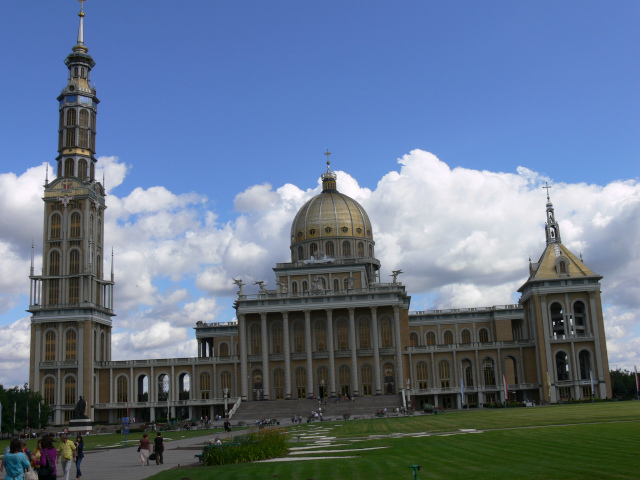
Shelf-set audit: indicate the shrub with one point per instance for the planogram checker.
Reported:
(258, 445)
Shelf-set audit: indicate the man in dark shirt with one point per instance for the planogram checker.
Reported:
(158, 448)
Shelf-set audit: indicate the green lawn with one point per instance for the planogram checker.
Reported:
(562, 442)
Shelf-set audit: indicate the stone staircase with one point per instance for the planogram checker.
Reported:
(284, 410)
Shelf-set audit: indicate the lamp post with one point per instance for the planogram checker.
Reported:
(225, 392)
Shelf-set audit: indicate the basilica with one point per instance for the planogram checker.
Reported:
(331, 327)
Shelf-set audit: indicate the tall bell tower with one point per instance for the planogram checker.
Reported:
(71, 303)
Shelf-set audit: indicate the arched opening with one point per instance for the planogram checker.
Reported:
(344, 380)
(342, 334)
(301, 382)
(70, 345)
(360, 249)
(49, 391)
(330, 248)
(444, 374)
(483, 335)
(256, 382)
(336, 284)
(278, 383)
(413, 339)
(122, 389)
(584, 359)
(256, 339)
(323, 381)
(184, 386)
(320, 334)
(346, 249)
(300, 253)
(579, 319)
(276, 338)
(225, 383)
(389, 374)
(431, 338)
(386, 333)
(465, 337)
(224, 349)
(54, 230)
(143, 388)
(163, 388)
(298, 337)
(50, 346)
(205, 386)
(313, 249)
(562, 366)
(422, 375)
(557, 321)
(489, 372)
(448, 337)
(366, 375)
(364, 333)
(511, 371)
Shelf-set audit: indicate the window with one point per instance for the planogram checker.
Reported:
(54, 291)
(444, 373)
(342, 334)
(510, 371)
(225, 381)
(70, 390)
(49, 391)
(278, 383)
(55, 226)
(70, 345)
(364, 333)
(465, 337)
(313, 249)
(84, 138)
(294, 287)
(69, 166)
(562, 366)
(305, 286)
(431, 338)
(54, 263)
(336, 284)
(346, 248)
(448, 337)
(483, 335)
(301, 382)
(323, 381)
(360, 249)
(422, 375)
(84, 117)
(489, 372)
(298, 337)
(557, 321)
(224, 349)
(50, 346)
(99, 231)
(330, 249)
(82, 169)
(74, 262)
(75, 225)
(256, 339)
(205, 385)
(467, 371)
(367, 379)
(71, 117)
(344, 379)
(584, 358)
(71, 141)
(371, 251)
(386, 333)
(565, 394)
(413, 339)
(321, 336)
(300, 253)
(122, 389)
(276, 338)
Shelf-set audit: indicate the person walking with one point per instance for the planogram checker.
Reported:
(47, 459)
(79, 443)
(158, 448)
(66, 455)
(15, 462)
(144, 448)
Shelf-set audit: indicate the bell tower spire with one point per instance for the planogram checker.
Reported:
(552, 228)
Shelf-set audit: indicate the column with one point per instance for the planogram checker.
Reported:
(265, 356)
(597, 361)
(376, 351)
(354, 352)
(308, 349)
(242, 333)
(547, 350)
(396, 327)
(332, 360)
(287, 355)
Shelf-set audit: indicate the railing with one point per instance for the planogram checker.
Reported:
(375, 288)
(235, 407)
(473, 389)
(513, 306)
(164, 403)
(471, 346)
(61, 363)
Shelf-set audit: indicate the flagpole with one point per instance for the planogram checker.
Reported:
(637, 384)
(14, 416)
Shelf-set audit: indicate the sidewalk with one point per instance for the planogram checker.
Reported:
(124, 463)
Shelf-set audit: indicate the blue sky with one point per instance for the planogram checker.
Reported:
(209, 100)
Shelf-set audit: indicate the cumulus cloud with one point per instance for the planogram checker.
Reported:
(462, 236)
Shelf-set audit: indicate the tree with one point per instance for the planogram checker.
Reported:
(25, 400)
(623, 384)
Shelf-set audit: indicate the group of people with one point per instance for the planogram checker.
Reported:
(17, 458)
(144, 447)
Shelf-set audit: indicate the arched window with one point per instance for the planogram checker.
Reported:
(70, 345)
(55, 226)
(422, 375)
(413, 339)
(364, 333)
(342, 334)
(323, 381)
(584, 358)
(300, 253)
(330, 249)
(205, 385)
(562, 366)
(50, 346)
(84, 117)
(444, 373)
(74, 262)
(321, 336)
(448, 337)
(371, 251)
(579, 318)
(465, 337)
(489, 371)
(336, 284)
(75, 225)
(431, 338)
(294, 287)
(510, 370)
(163, 387)
(71, 117)
(313, 249)
(71, 141)
(366, 374)
(93, 121)
(184, 386)
(386, 333)
(298, 337)
(467, 373)
(346, 283)
(557, 320)
(84, 138)
(122, 389)
(344, 380)
(301, 382)
(305, 286)
(49, 391)
(54, 263)
(346, 248)
(82, 169)
(276, 338)
(75, 71)
(224, 349)
(69, 165)
(70, 390)
(256, 339)
(225, 381)
(483, 335)
(99, 231)
(278, 383)
(360, 249)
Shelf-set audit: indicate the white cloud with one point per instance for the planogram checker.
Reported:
(463, 236)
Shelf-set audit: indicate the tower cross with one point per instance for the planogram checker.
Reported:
(547, 186)
(82, 4)
(328, 153)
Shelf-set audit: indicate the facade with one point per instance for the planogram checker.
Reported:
(331, 327)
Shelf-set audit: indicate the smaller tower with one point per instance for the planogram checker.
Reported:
(552, 228)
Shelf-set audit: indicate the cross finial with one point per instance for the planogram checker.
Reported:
(328, 153)
(547, 186)
(82, 6)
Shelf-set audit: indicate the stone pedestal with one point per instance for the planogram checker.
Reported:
(80, 425)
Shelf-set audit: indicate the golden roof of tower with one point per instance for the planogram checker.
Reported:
(548, 265)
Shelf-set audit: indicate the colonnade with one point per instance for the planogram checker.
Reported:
(309, 352)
